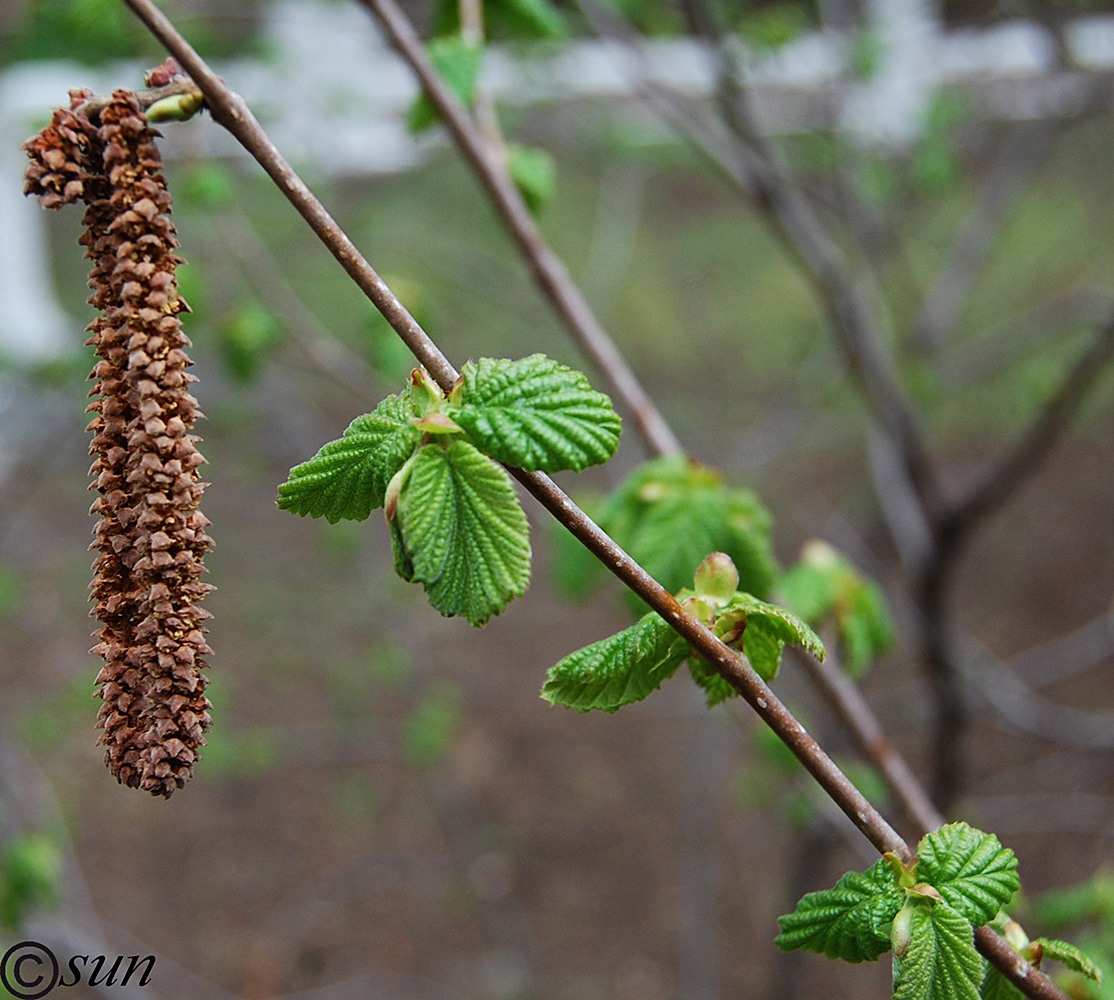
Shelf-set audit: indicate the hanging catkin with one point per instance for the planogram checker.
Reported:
(150, 537)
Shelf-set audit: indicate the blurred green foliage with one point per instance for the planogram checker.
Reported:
(30, 874)
(432, 725)
(98, 31)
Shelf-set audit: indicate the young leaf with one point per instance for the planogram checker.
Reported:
(715, 686)
(849, 921)
(671, 512)
(1070, 955)
(936, 958)
(974, 873)
(348, 477)
(616, 671)
(458, 62)
(536, 414)
(461, 532)
(768, 629)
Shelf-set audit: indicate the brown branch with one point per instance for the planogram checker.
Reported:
(231, 110)
(547, 267)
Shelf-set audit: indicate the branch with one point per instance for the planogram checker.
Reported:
(1003, 479)
(231, 110)
(548, 269)
(1027, 711)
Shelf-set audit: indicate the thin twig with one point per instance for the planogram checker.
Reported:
(240, 238)
(231, 110)
(1068, 654)
(548, 269)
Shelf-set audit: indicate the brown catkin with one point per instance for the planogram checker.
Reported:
(150, 537)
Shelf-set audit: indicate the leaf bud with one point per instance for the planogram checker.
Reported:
(717, 579)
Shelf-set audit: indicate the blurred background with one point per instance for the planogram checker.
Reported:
(386, 808)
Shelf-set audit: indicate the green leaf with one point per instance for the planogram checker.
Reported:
(672, 512)
(430, 729)
(715, 686)
(995, 986)
(974, 873)
(768, 629)
(533, 173)
(459, 66)
(849, 921)
(936, 957)
(536, 414)
(348, 477)
(825, 586)
(461, 532)
(619, 670)
(1071, 956)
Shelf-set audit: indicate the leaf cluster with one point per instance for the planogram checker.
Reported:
(626, 667)
(430, 461)
(926, 914)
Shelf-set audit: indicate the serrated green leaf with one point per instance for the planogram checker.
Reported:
(534, 174)
(995, 986)
(768, 629)
(348, 477)
(536, 414)
(1071, 956)
(618, 670)
(974, 873)
(458, 63)
(715, 686)
(849, 921)
(461, 532)
(672, 512)
(938, 960)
